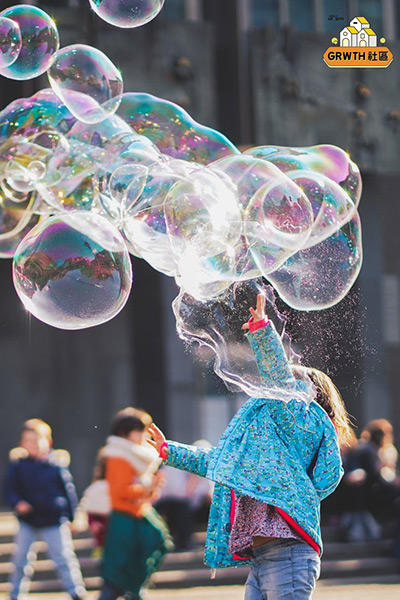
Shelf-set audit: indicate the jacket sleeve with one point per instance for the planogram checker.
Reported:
(70, 492)
(11, 494)
(328, 470)
(271, 358)
(189, 458)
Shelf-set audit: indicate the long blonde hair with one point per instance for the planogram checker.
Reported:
(328, 396)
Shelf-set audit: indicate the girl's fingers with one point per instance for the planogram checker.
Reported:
(260, 303)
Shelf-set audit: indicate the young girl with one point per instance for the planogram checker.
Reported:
(273, 465)
(136, 538)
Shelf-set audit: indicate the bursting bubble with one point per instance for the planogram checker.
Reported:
(73, 271)
(10, 41)
(319, 277)
(127, 13)
(87, 82)
(39, 42)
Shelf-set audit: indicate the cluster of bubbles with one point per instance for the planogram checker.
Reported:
(89, 174)
(183, 197)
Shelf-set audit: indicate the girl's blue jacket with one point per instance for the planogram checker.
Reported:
(283, 453)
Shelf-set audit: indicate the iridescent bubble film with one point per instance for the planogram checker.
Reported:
(173, 130)
(328, 160)
(10, 41)
(87, 82)
(175, 193)
(73, 271)
(127, 13)
(40, 42)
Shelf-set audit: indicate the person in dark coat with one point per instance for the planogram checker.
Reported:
(39, 488)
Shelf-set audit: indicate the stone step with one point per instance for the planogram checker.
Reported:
(188, 575)
(362, 570)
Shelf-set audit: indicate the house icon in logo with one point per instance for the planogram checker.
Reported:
(358, 34)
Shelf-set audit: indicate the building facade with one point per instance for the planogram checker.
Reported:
(253, 70)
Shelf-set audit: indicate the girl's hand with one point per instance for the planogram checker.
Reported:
(158, 437)
(257, 314)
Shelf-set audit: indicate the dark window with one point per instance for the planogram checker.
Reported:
(301, 15)
(265, 12)
(372, 11)
(335, 16)
(173, 9)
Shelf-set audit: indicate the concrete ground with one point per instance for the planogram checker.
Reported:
(326, 590)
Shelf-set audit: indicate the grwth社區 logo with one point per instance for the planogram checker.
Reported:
(358, 47)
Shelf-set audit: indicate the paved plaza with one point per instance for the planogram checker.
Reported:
(326, 590)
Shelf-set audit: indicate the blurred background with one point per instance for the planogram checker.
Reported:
(252, 69)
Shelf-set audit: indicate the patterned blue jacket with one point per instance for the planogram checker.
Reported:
(283, 453)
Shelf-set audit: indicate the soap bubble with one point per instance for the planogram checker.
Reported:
(68, 182)
(199, 211)
(319, 277)
(10, 41)
(276, 213)
(331, 161)
(173, 130)
(332, 207)
(87, 82)
(278, 223)
(40, 42)
(127, 13)
(145, 226)
(73, 271)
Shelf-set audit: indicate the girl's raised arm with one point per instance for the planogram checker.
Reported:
(272, 362)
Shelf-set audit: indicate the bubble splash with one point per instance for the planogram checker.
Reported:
(182, 197)
(217, 326)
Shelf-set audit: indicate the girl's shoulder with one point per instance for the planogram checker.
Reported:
(311, 415)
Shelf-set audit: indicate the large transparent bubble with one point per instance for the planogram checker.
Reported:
(73, 271)
(10, 41)
(39, 38)
(127, 13)
(87, 82)
(173, 130)
(214, 329)
(319, 277)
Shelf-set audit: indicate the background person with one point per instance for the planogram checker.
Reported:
(137, 537)
(39, 488)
